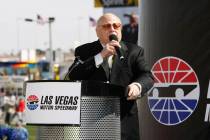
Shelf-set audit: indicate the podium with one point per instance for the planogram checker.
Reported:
(99, 113)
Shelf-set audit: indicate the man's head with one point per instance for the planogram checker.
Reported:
(106, 25)
(133, 19)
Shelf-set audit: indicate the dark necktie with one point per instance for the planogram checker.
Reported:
(110, 63)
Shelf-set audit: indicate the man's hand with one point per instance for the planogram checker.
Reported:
(109, 49)
(133, 91)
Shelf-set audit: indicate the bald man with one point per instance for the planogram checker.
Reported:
(132, 71)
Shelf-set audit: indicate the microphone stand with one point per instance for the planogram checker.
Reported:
(76, 63)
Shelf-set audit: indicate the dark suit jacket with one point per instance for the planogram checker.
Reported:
(130, 34)
(132, 69)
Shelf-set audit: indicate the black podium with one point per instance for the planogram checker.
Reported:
(100, 114)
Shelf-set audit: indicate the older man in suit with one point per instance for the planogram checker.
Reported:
(131, 71)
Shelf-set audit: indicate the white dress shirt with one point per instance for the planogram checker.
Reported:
(99, 60)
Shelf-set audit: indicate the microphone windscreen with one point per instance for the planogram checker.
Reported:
(113, 37)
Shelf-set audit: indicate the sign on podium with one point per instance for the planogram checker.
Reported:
(53, 102)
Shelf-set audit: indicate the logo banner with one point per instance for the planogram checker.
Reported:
(116, 3)
(53, 103)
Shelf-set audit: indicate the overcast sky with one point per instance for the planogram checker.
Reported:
(70, 27)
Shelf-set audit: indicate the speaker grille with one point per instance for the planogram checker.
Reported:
(100, 120)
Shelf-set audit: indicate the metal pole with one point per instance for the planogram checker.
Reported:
(51, 51)
(18, 34)
(50, 20)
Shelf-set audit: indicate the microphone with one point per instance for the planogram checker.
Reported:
(119, 53)
(77, 62)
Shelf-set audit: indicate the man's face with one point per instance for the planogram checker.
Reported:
(107, 25)
(133, 19)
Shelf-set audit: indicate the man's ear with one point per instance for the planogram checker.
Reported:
(96, 31)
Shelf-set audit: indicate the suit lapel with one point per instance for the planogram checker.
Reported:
(124, 49)
(118, 64)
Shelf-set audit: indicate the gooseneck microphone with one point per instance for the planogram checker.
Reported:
(77, 62)
(118, 51)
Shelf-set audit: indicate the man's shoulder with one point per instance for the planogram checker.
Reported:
(132, 46)
(86, 47)
(126, 25)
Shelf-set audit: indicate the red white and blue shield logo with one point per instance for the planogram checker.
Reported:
(175, 93)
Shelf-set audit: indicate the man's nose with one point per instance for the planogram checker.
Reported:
(112, 28)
